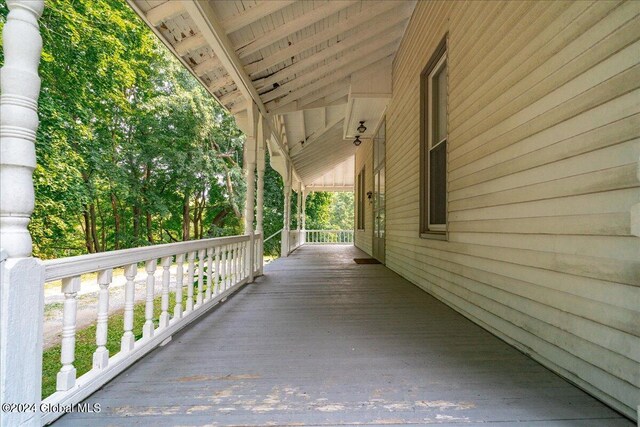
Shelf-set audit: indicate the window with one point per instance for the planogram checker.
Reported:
(433, 135)
(360, 190)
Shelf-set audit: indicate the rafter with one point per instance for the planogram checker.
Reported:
(228, 98)
(189, 44)
(330, 79)
(371, 35)
(270, 37)
(208, 65)
(221, 83)
(332, 66)
(257, 12)
(317, 99)
(374, 15)
(165, 11)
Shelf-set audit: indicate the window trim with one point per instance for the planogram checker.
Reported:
(436, 62)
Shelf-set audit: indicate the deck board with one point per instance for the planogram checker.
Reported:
(321, 340)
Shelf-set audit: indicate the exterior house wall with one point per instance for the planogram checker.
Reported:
(543, 153)
(364, 158)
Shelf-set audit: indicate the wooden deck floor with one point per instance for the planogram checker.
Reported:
(321, 340)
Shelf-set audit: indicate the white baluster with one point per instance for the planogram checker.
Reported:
(210, 285)
(201, 254)
(128, 339)
(166, 278)
(101, 355)
(67, 376)
(177, 310)
(223, 269)
(190, 275)
(217, 271)
(147, 329)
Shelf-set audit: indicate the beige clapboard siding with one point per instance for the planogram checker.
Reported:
(608, 113)
(544, 122)
(600, 137)
(364, 158)
(559, 70)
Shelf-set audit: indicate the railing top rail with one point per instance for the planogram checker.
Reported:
(332, 231)
(273, 235)
(74, 266)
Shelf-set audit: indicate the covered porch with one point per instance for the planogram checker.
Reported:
(321, 340)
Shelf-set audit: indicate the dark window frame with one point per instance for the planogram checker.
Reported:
(425, 127)
(360, 205)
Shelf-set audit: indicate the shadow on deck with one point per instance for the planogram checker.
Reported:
(320, 340)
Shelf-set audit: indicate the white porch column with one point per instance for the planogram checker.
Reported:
(260, 163)
(21, 276)
(250, 178)
(303, 218)
(284, 249)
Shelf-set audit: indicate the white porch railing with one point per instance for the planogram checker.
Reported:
(329, 237)
(215, 268)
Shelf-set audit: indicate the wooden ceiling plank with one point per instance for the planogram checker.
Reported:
(330, 67)
(319, 13)
(249, 16)
(164, 12)
(374, 15)
(370, 35)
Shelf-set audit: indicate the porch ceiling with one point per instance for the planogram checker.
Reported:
(293, 59)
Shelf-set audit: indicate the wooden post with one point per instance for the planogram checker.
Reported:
(303, 218)
(284, 248)
(250, 178)
(21, 276)
(260, 164)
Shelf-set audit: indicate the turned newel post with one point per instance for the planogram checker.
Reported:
(22, 277)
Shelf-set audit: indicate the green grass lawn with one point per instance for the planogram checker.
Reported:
(86, 341)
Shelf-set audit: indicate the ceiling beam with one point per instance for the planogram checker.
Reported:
(330, 79)
(220, 83)
(370, 35)
(249, 16)
(288, 28)
(376, 13)
(164, 12)
(382, 43)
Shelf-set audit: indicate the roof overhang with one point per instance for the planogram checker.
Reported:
(313, 70)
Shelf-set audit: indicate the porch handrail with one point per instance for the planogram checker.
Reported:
(221, 265)
(272, 236)
(59, 268)
(328, 237)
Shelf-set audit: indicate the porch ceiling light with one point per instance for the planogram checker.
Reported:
(357, 141)
(362, 127)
